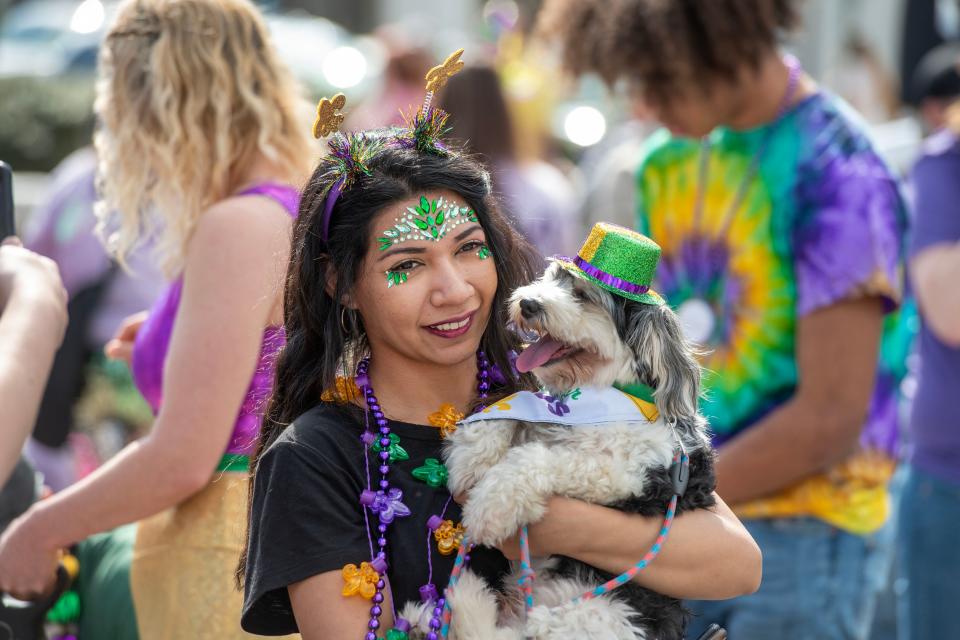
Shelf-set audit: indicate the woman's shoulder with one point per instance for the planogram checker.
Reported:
(237, 218)
(326, 429)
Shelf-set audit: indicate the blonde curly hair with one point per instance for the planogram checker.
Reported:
(190, 94)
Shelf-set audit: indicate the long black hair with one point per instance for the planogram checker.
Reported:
(318, 344)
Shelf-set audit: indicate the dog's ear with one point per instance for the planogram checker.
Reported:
(665, 360)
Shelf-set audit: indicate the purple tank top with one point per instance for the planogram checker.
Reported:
(153, 341)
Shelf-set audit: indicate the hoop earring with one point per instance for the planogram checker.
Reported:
(343, 323)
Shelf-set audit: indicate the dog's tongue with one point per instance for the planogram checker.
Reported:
(538, 354)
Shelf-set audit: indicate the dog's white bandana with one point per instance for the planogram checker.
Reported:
(580, 407)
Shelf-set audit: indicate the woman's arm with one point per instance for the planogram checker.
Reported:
(232, 283)
(322, 613)
(708, 555)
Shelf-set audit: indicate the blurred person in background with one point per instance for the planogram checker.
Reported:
(935, 85)
(201, 124)
(862, 80)
(33, 317)
(402, 80)
(535, 194)
(610, 169)
(929, 509)
(782, 231)
(101, 295)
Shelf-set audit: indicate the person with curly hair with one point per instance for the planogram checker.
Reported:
(782, 233)
(201, 146)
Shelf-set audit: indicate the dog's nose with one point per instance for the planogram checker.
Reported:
(530, 308)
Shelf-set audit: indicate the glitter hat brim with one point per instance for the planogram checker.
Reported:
(650, 297)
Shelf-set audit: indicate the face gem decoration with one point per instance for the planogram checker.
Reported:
(429, 220)
(395, 278)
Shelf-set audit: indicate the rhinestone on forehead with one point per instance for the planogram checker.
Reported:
(429, 220)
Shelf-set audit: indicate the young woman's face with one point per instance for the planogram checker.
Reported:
(428, 280)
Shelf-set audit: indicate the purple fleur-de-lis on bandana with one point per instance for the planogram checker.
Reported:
(557, 405)
(388, 506)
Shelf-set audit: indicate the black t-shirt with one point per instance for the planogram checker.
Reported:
(307, 518)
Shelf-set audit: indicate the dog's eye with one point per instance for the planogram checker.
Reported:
(580, 295)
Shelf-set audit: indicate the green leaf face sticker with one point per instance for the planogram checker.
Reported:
(430, 220)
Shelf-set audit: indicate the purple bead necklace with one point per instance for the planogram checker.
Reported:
(387, 503)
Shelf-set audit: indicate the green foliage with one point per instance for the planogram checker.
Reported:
(42, 120)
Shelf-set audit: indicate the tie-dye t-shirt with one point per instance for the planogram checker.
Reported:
(819, 220)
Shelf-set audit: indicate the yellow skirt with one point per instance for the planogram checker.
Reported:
(182, 572)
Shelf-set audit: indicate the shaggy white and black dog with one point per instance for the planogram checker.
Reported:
(588, 338)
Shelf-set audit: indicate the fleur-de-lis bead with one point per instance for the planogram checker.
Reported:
(446, 419)
(386, 505)
(360, 580)
(345, 391)
(433, 472)
(448, 536)
(394, 449)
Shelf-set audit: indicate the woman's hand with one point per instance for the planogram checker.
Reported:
(28, 564)
(34, 280)
(120, 347)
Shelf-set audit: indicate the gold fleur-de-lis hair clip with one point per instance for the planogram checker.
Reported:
(438, 76)
(329, 117)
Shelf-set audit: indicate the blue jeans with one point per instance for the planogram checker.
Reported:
(929, 558)
(819, 583)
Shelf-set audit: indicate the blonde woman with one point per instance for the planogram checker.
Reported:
(201, 144)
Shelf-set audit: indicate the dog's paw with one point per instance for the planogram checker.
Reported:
(471, 450)
(491, 521)
(462, 478)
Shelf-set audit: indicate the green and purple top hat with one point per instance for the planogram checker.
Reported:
(618, 260)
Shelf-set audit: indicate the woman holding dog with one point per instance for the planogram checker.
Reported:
(199, 142)
(395, 302)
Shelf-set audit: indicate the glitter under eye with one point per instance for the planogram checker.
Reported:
(395, 278)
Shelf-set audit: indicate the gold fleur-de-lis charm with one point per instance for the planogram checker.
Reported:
(329, 117)
(438, 76)
(445, 419)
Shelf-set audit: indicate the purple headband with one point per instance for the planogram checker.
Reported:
(610, 280)
(331, 200)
